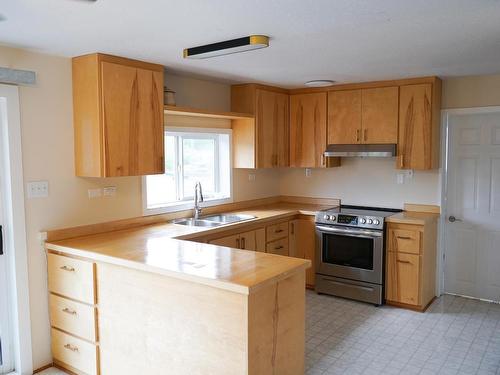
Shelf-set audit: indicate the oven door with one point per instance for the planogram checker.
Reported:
(350, 253)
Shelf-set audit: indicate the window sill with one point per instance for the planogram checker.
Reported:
(183, 206)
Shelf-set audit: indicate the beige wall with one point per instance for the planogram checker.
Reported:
(471, 91)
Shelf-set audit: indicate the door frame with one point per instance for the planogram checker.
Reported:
(16, 254)
(445, 154)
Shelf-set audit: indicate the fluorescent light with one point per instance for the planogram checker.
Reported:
(319, 83)
(247, 43)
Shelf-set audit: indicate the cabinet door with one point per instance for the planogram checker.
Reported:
(302, 244)
(403, 278)
(344, 117)
(415, 127)
(260, 240)
(272, 129)
(132, 120)
(248, 241)
(228, 241)
(379, 115)
(307, 130)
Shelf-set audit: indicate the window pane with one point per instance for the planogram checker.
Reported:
(161, 188)
(199, 165)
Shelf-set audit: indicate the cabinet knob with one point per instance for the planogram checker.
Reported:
(67, 268)
(71, 347)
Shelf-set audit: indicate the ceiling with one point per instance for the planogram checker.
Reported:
(342, 40)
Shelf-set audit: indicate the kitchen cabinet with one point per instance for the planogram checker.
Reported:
(271, 110)
(302, 244)
(411, 265)
(419, 106)
(73, 314)
(363, 116)
(249, 240)
(308, 130)
(279, 247)
(118, 116)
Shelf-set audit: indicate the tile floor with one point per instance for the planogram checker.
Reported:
(454, 336)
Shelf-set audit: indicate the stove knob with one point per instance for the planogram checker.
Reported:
(326, 217)
(376, 222)
(370, 221)
(362, 220)
(333, 218)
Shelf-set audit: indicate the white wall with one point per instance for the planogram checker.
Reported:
(368, 181)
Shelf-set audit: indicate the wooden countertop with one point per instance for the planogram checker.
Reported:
(158, 248)
(411, 217)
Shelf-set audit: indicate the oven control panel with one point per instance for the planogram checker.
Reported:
(371, 222)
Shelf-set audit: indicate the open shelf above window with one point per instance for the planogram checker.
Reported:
(194, 112)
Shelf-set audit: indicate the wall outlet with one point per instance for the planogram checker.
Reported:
(94, 193)
(38, 189)
(308, 172)
(400, 178)
(251, 177)
(109, 191)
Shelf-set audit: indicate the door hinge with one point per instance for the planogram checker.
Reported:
(1, 240)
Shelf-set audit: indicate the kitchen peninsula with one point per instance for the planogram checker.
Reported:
(139, 301)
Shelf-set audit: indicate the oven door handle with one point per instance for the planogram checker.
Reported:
(362, 233)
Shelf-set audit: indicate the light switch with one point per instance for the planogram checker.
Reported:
(251, 177)
(308, 172)
(38, 189)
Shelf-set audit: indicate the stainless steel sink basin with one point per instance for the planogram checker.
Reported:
(197, 223)
(227, 218)
(213, 220)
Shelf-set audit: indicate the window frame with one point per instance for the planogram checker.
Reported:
(188, 204)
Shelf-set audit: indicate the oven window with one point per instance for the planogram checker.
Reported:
(348, 251)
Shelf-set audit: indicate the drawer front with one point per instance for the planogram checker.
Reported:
(71, 278)
(74, 352)
(276, 231)
(279, 247)
(404, 241)
(403, 278)
(73, 317)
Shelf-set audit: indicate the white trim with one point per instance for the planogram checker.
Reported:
(15, 217)
(445, 117)
(188, 205)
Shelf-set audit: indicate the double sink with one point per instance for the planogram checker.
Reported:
(213, 220)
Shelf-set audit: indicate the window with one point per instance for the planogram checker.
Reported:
(202, 155)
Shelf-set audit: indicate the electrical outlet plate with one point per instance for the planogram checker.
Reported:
(94, 193)
(38, 189)
(251, 177)
(308, 172)
(109, 191)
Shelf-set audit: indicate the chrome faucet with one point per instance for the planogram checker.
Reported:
(198, 198)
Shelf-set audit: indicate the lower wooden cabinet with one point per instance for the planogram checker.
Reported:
(279, 247)
(403, 278)
(411, 265)
(251, 240)
(302, 244)
(73, 314)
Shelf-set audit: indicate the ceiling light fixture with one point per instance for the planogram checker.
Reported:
(247, 43)
(319, 83)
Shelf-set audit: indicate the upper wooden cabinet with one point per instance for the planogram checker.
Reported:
(271, 109)
(379, 115)
(118, 116)
(419, 106)
(307, 130)
(363, 116)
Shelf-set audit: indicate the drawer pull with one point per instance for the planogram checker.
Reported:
(278, 231)
(279, 247)
(68, 311)
(404, 237)
(404, 261)
(71, 347)
(66, 268)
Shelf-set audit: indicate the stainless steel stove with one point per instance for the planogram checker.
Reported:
(350, 252)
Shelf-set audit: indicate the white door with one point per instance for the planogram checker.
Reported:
(6, 362)
(472, 229)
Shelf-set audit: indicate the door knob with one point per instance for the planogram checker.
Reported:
(452, 219)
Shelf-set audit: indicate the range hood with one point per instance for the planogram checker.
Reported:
(357, 150)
